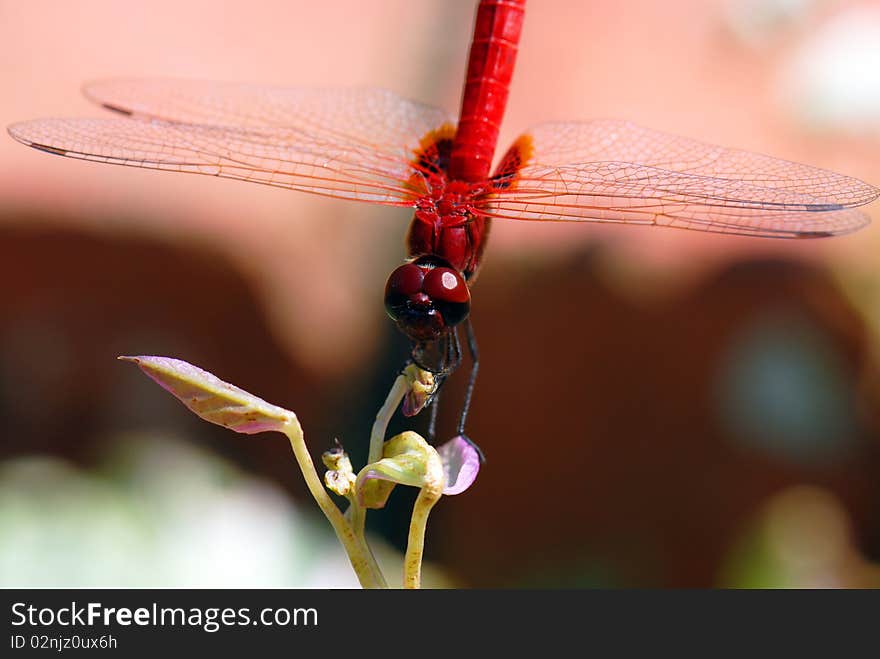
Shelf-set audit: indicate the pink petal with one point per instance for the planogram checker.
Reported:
(461, 464)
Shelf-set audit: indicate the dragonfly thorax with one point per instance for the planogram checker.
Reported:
(427, 298)
(448, 226)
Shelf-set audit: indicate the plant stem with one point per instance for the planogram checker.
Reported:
(415, 545)
(383, 416)
(357, 518)
(355, 545)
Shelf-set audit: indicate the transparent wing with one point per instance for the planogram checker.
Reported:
(615, 171)
(352, 144)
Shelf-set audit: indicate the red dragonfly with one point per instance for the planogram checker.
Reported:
(372, 146)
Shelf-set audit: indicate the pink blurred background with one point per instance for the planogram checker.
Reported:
(281, 292)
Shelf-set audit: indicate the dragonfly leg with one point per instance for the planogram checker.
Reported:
(452, 360)
(432, 423)
(472, 377)
(472, 380)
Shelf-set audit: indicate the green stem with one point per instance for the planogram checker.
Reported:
(357, 519)
(415, 545)
(355, 545)
(377, 434)
(356, 515)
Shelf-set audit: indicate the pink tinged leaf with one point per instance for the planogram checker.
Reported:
(213, 399)
(412, 404)
(461, 464)
(373, 491)
(408, 460)
(422, 386)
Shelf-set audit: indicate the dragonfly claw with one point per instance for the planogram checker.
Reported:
(473, 445)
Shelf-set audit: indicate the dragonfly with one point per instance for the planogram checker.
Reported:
(373, 146)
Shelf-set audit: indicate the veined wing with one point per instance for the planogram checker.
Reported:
(352, 144)
(615, 171)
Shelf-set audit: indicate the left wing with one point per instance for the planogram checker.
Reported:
(352, 144)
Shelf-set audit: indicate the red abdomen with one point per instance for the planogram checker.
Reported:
(490, 67)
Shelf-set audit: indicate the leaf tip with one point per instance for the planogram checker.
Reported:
(211, 398)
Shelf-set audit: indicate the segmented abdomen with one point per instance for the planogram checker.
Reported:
(490, 67)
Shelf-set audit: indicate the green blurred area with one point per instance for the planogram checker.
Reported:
(156, 513)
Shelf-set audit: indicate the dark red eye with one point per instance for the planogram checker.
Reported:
(446, 285)
(405, 280)
(404, 284)
(426, 299)
(449, 293)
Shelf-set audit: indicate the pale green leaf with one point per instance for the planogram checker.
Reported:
(213, 399)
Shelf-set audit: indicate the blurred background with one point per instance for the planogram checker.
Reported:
(659, 408)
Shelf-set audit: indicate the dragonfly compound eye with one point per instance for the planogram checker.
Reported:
(426, 300)
(404, 284)
(448, 291)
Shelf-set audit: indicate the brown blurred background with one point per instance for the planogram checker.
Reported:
(659, 408)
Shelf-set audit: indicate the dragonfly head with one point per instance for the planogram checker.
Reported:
(427, 298)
